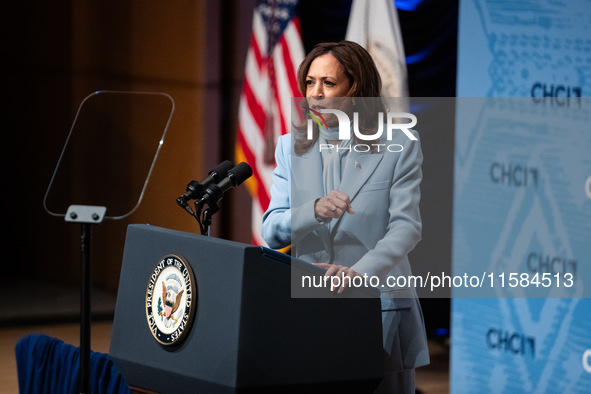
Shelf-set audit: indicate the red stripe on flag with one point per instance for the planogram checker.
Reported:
(255, 107)
(296, 21)
(262, 194)
(287, 61)
(281, 114)
(256, 51)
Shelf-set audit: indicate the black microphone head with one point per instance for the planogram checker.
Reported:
(221, 170)
(240, 173)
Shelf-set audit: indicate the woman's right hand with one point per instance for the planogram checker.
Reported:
(333, 205)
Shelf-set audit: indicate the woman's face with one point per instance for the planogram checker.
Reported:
(326, 79)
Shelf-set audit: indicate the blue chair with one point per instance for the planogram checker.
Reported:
(49, 366)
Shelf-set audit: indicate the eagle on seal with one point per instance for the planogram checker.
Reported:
(170, 307)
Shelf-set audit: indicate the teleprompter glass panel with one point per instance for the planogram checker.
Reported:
(110, 152)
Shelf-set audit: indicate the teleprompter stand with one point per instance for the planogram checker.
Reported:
(101, 168)
(87, 216)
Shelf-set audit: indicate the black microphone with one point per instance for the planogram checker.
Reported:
(196, 189)
(235, 177)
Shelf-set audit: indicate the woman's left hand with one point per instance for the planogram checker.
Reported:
(340, 271)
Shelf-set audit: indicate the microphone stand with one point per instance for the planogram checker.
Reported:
(207, 216)
(205, 219)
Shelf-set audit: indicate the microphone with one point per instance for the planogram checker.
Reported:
(235, 177)
(196, 189)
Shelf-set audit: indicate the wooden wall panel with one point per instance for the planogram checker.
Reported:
(159, 47)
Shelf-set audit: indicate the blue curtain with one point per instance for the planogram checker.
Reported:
(49, 366)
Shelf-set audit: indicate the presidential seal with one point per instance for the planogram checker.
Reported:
(171, 300)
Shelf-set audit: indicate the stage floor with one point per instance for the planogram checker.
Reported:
(432, 379)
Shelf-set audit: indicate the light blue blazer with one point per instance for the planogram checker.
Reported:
(384, 189)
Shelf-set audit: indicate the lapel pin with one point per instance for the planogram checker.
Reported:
(357, 165)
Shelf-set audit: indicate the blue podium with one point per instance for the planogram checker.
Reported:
(248, 325)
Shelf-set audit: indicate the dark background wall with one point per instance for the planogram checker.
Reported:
(56, 54)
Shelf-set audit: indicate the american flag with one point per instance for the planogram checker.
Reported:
(274, 54)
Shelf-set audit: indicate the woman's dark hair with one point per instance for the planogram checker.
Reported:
(364, 81)
(359, 67)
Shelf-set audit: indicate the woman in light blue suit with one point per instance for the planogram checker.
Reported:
(352, 205)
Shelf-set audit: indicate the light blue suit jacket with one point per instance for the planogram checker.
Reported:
(384, 189)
